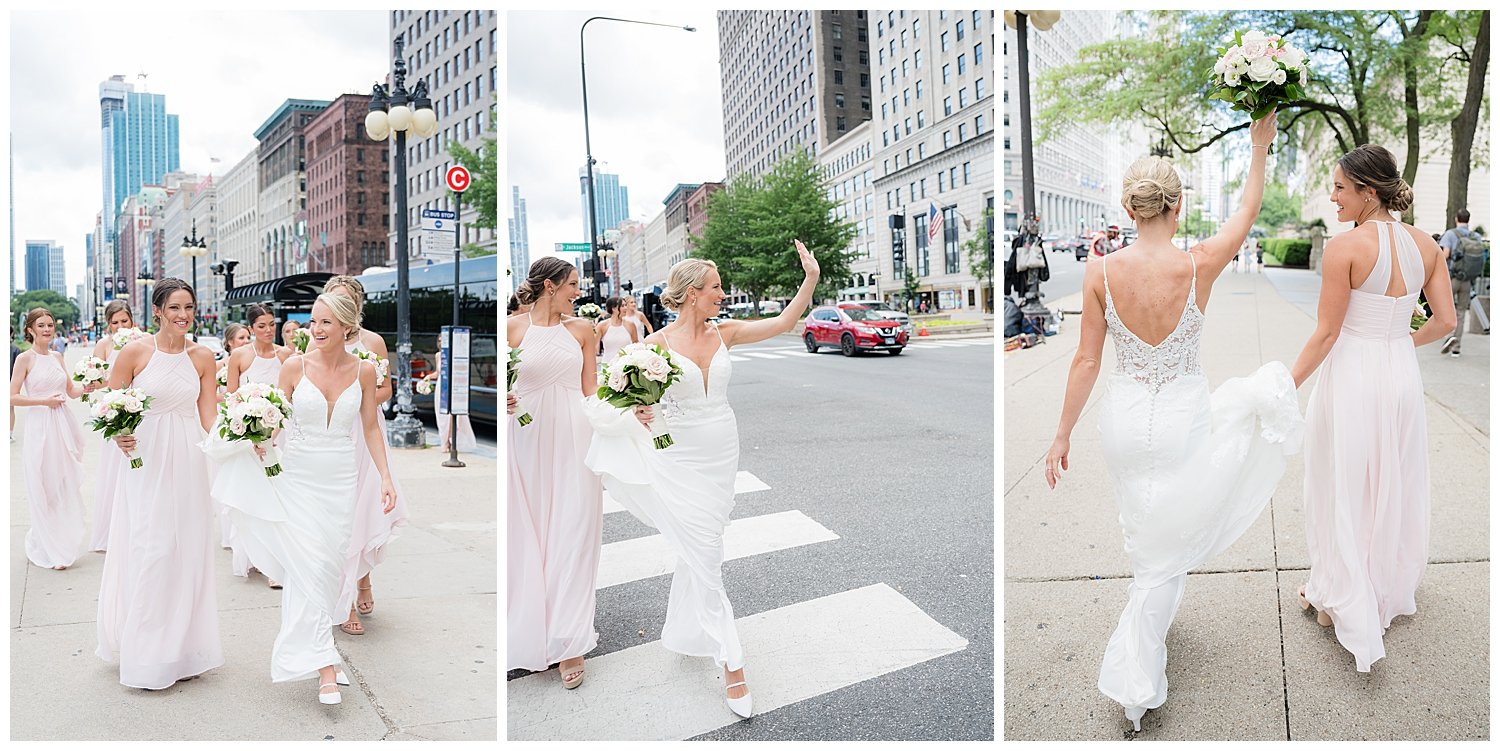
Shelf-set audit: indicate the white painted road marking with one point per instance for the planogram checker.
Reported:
(644, 557)
(792, 654)
(744, 482)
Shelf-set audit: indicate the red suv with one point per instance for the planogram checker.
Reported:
(852, 328)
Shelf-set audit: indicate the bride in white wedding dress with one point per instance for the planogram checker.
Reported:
(686, 491)
(296, 525)
(1191, 470)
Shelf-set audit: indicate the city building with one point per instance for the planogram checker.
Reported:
(176, 223)
(138, 242)
(935, 158)
(790, 79)
(611, 200)
(454, 51)
(630, 258)
(520, 245)
(203, 214)
(38, 265)
(281, 209)
(348, 190)
(237, 224)
(139, 139)
(848, 169)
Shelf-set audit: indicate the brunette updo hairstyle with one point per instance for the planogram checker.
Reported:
(116, 306)
(612, 304)
(549, 269)
(1151, 188)
(164, 289)
(32, 316)
(1374, 166)
(229, 332)
(254, 312)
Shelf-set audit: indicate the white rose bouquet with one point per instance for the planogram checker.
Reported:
(590, 311)
(300, 339)
(639, 378)
(424, 387)
(125, 336)
(222, 376)
(1258, 73)
(252, 414)
(510, 382)
(119, 412)
(90, 370)
(382, 365)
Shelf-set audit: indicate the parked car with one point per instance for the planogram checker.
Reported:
(1052, 241)
(884, 308)
(215, 344)
(853, 329)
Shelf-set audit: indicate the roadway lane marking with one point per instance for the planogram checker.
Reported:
(744, 482)
(792, 654)
(644, 557)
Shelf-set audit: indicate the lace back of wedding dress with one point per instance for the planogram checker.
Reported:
(1176, 356)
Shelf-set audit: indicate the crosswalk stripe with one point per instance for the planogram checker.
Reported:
(793, 653)
(744, 482)
(645, 557)
(764, 355)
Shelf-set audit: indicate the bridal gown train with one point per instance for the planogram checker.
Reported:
(1367, 489)
(1191, 473)
(686, 492)
(295, 526)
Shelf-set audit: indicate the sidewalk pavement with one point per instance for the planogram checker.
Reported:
(1244, 662)
(425, 669)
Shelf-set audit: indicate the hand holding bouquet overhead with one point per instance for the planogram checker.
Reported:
(639, 378)
(1258, 73)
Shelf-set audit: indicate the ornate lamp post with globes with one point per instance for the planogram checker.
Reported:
(393, 112)
(193, 247)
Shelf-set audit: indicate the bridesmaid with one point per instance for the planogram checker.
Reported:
(157, 611)
(51, 448)
(617, 330)
(117, 315)
(258, 363)
(373, 528)
(555, 512)
(633, 313)
(235, 336)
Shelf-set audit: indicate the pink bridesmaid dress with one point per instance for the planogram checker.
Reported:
(157, 611)
(265, 370)
(373, 528)
(52, 452)
(554, 517)
(1367, 488)
(110, 461)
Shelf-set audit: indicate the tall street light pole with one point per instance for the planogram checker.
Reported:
(587, 144)
(390, 114)
(192, 247)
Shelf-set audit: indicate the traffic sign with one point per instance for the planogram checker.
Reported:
(437, 219)
(458, 178)
(572, 247)
(439, 233)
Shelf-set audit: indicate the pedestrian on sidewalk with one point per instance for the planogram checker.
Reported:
(1466, 253)
(117, 316)
(1366, 487)
(1192, 471)
(52, 454)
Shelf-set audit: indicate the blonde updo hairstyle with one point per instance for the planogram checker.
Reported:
(1151, 188)
(353, 286)
(543, 270)
(345, 311)
(1374, 166)
(690, 273)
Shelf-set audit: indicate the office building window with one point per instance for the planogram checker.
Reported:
(966, 173)
(960, 30)
(947, 106)
(946, 76)
(943, 41)
(961, 66)
(919, 88)
(950, 239)
(838, 77)
(947, 139)
(921, 119)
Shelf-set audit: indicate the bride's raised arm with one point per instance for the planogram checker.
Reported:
(1216, 252)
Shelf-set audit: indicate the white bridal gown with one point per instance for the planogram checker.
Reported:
(1191, 472)
(686, 492)
(296, 526)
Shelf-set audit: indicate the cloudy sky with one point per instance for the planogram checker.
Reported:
(654, 112)
(223, 74)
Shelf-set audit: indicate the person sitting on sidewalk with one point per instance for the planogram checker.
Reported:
(1465, 251)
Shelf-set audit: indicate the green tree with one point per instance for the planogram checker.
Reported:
(62, 309)
(910, 286)
(484, 189)
(1278, 207)
(752, 222)
(981, 254)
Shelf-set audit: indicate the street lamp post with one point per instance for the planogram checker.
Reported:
(146, 280)
(587, 144)
(390, 114)
(193, 247)
(1042, 20)
(605, 254)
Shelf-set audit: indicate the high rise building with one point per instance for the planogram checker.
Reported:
(611, 200)
(455, 52)
(57, 271)
(237, 221)
(38, 265)
(849, 173)
(933, 151)
(348, 190)
(282, 204)
(520, 245)
(139, 141)
(791, 79)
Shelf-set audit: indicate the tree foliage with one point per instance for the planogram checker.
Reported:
(980, 251)
(753, 220)
(62, 308)
(484, 189)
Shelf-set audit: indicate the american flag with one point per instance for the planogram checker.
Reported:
(934, 222)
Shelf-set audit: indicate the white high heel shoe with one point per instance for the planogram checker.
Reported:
(1134, 714)
(332, 698)
(740, 706)
(340, 678)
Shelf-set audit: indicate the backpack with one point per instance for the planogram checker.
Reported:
(1468, 257)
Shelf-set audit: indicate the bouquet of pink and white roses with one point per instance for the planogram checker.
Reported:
(125, 336)
(639, 378)
(90, 370)
(300, 339)
(382, 365)
(119, 412)
(252, 414)
(1258, 73)
(424, 387)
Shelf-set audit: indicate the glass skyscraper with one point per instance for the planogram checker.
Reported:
(611, 201)
(139, 143)
(520, 245)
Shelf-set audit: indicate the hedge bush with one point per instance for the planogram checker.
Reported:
(1289, 252)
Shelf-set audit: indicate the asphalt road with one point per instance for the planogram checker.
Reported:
(1067, 277)
(892, 455)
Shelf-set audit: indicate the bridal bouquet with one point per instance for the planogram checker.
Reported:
(510, 382)
(1418, 318)
(90, 370)
(252, 414)
(125, 336)
(424, 387)
(382, 365)
(590, 311)
(639, 378)
(1259, 73)
(222, 376)
(119, 412)
(300, 339)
